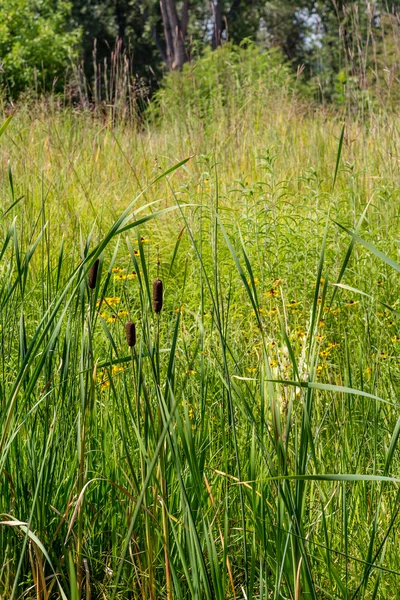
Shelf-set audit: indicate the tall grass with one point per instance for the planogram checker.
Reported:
(246, 445)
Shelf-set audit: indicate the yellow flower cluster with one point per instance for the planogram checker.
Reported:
(293, 304)
(121, 276)
(190, 409)
(103, 376)
(112, 301)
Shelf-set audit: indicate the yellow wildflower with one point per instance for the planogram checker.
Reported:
(190, 372)
(272, 293)
(112, 301)
(352, 303)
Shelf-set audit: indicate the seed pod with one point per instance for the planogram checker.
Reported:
(93, 274)
(130, 329)
(157, 295)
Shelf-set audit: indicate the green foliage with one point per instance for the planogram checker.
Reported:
(347, 50)
(36, 46)
(224, 79)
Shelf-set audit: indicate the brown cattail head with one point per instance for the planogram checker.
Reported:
(93, 274)
(130, 329)
(157, 295)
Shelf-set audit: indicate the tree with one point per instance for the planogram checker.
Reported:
(35, 38)
(175, 29)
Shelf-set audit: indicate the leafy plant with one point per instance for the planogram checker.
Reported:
(36, 45)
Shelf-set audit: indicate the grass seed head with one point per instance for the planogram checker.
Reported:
(130, 329)
(93, 274)
(157, 295)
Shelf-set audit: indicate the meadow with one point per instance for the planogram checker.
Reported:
(247, 445)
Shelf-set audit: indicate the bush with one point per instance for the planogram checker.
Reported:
(224, 79)
(36, 46)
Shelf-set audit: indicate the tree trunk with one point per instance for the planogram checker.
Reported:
(218, 23)
(120, 16)
(175, 32)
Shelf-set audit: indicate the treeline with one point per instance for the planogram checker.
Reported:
(82, 47)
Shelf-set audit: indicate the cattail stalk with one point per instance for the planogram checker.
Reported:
(130, 331)
(157, 307)
(84, 425)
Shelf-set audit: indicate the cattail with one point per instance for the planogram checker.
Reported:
(93, 274)
(157, 295)
(130, 329)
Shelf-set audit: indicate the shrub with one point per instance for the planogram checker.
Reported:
(36, 46)
(226, 78)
